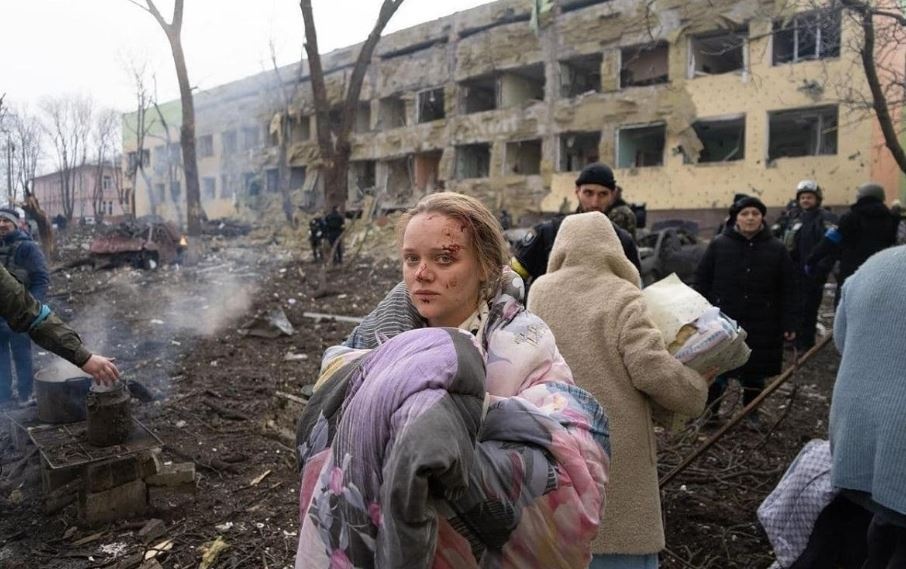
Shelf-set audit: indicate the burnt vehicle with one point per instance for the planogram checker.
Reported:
(671, 247)
(143, 244)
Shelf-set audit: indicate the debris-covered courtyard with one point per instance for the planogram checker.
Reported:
(226, 383)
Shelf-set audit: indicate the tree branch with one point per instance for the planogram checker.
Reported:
(879, 101)
(354, 89)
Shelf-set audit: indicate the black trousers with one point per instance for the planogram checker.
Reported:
(811, 292)
(838, 538)
(751, 387)
(853, 533)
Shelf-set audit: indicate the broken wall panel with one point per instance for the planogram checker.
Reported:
(506, 46)
(414, 72)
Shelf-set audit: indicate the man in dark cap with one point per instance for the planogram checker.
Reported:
(865, 229)
(595, 191)
(24, 260)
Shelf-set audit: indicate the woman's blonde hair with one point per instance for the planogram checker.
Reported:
(484, 229)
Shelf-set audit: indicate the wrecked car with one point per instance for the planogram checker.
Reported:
(140, 244)
(671, 247)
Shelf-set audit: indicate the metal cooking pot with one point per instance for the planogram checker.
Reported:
(61, 399)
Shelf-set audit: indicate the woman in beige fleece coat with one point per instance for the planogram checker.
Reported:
(590, 299)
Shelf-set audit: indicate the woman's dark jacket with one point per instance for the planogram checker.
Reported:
(755, 283)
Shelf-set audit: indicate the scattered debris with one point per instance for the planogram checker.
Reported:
(272, 324)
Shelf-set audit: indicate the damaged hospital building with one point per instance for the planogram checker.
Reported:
(690, 101)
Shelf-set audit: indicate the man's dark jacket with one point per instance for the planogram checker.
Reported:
(534, 250)
(864, 230)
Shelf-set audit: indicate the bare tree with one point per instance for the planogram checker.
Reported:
(68, 125)
(136, 164)
(6, 156)
(105, 137)
(283, 118)
(333, 139)
(195, 214)
(883, 42)
(26, 140)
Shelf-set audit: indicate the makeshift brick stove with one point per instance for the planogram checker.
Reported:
(109, 462)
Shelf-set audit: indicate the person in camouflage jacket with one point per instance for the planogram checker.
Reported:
(621, 214)
(23, 313)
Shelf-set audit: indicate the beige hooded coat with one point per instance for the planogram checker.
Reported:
(591, 302)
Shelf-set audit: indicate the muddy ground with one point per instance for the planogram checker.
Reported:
(227, 402)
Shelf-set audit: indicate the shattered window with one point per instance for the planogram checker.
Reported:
(641, 146)
(523, 158)
(250, 183)
(814, 35)
(362, 174)
(209, 188)
(478, 94)
(802, 132)
(228, 140)
(175, 190)
(205, 146)
(644, 65)
(300, 128)
(717, 53)
(431, 105)
(250, 137)
(362, 118)
(226, 186)
(392, 113)
(473, 161)
(578, 150)
(521, 85)
(580, 75)
(272, 180)
(723, 140)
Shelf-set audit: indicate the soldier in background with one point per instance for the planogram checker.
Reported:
(803, 234)
(315, 236)
(334, 224)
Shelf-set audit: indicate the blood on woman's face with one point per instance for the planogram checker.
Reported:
(441, 268)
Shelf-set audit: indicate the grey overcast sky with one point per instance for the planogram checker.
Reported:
(52, 47)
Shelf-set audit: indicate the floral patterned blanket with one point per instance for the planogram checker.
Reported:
(407, 461)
